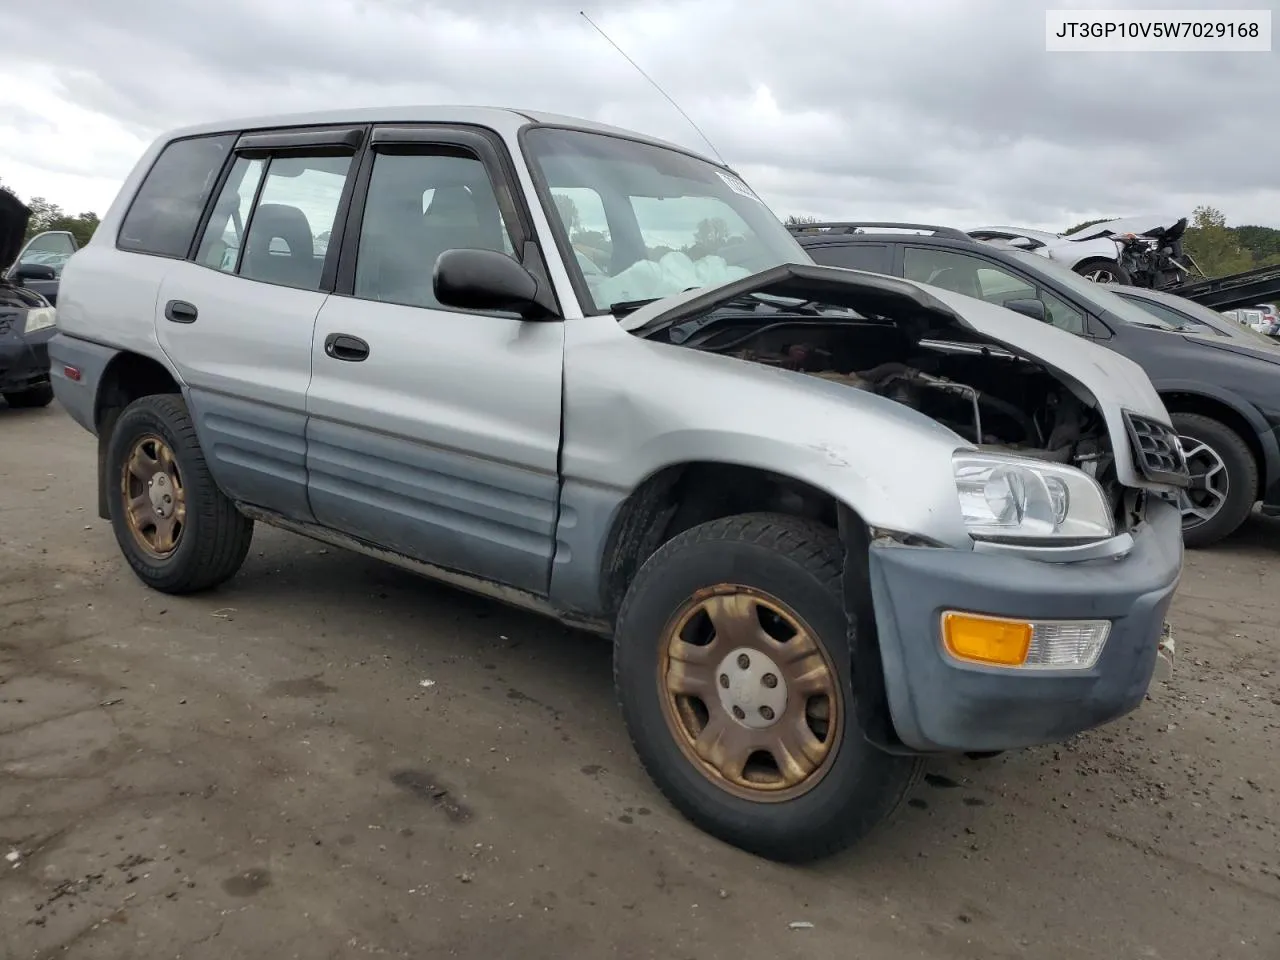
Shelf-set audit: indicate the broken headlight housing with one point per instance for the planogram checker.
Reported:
(1018, 500)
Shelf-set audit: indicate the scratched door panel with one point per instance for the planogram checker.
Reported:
(442, 443)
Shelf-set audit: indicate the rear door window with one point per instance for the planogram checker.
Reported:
(166, 210)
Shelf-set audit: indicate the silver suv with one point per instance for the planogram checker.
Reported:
(832, 521)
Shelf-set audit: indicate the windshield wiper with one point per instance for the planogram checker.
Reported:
(623, 307)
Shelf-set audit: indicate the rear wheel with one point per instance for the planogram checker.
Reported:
(41, 395)
(1224, 479)
(1103, 271)
(178, 531)
(732, 665)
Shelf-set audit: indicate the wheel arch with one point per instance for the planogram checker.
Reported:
(1178, 400)
(127, 377)
(683, 495)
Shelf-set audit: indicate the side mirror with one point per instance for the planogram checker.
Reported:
(36, 271)
(1028, 308)
(486, 280)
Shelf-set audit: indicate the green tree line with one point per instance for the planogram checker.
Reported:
(46, 215)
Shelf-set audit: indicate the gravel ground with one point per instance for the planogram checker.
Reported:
(331, 758)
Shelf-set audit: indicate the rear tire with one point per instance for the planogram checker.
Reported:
(768, 565)
(211, 539)
(41, 395)
(1208, 443)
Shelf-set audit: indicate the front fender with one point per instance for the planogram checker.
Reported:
(1239, 405)
(635, 407)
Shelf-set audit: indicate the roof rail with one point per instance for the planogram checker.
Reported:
(859, 226)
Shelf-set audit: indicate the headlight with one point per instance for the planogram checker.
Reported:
(1012, 498)
(39, 318)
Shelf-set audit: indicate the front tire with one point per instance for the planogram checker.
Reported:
(1224, 479)
(732, 666)
(41, 395)
(178, 531)
(1103, 271)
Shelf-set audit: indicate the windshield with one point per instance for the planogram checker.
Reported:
(645, 222)
(1191, 317)
(1095, 294)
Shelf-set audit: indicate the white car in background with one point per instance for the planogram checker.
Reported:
(1096, 259)
(1256, 318)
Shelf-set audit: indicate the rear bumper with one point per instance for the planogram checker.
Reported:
(24, 360)
(85, 360)
(938, 703)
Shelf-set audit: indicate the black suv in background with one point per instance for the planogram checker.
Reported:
(1223, 394)
(27, 319)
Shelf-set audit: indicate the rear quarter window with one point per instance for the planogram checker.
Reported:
(871, 257)
(166, 210)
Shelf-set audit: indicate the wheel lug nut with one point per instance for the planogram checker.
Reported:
(769, 680)
(738, 712)
(766, 712)
(724, 680)
(744, 661)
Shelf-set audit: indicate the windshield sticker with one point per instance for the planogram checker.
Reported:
(737, 186)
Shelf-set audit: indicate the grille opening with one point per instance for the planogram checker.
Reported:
(1157, 452)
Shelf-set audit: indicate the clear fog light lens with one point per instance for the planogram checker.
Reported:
(1025, 644)
(1067, 644)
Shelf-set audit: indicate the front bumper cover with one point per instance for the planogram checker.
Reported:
(938, 704)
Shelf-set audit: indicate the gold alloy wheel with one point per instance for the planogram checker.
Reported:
(750, 693)
(155, 501)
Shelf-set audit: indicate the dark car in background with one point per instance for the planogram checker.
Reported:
(1179, 313)
(27, 318)
(1223, 393)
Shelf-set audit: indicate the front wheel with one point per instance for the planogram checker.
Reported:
(178, 531)
(1224, 479)
(732, 666)
(41, 395)
(1103, 271)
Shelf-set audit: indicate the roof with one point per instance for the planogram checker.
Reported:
(505, 120)
(1157, 296)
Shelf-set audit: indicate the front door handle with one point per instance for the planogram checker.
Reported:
(343, 346)
(179, 311)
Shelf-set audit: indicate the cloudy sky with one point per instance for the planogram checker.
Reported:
(936, 110)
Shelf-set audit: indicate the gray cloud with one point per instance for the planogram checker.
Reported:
(881, 109)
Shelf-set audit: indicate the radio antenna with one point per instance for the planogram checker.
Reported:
(654, 82)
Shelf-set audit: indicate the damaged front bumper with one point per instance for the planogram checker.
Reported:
(939, 703)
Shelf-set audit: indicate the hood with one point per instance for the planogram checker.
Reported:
(1243, 348)
(1100, 376)
(14, 217)
(1149, 223)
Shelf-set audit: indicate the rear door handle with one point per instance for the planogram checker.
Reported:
(343, 346)
(179, 311)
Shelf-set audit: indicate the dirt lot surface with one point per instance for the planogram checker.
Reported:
(331, 758)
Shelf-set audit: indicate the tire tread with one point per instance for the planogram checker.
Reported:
(225, 533)
(1235, 511)
(815, 548)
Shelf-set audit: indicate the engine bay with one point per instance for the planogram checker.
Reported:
(981, 391)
